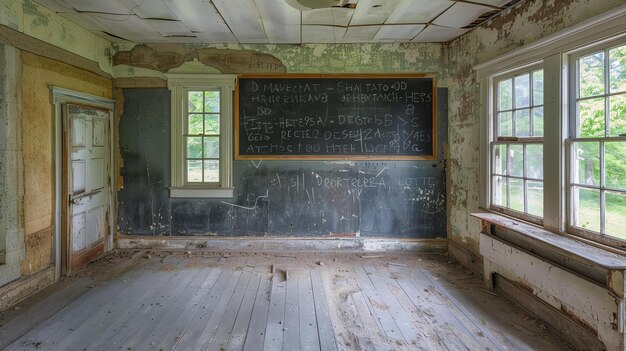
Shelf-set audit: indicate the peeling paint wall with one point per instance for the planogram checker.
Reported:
(152, 60)
(520, 25)
(37, 21)
(38, 74)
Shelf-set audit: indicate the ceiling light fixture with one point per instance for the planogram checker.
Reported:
(305, 5)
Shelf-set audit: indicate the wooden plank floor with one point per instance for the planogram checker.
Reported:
(253, 301)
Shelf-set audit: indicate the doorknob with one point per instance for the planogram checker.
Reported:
(74, 200)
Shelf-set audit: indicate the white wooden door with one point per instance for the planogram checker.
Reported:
(87, 155)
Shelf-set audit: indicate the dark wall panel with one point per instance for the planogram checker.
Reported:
(403, 199)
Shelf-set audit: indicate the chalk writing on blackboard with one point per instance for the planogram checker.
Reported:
(336, 117)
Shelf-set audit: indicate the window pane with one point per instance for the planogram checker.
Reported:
(591, 118)
(586, 208)
(591, 75)
(522, 122)
(617, 69)
(194, 102)
(212, 101)
(538, 87)
(516, 193)
(211, 171)
(194, 170)
(212, 124)
(522, 91)
(499, 159)
(617, 115)
(587, 163)
(505, 124)
(535, 198)
(194, 124)
(615, 165)
(516, 160)
(616, 214)
(499, 191)
(211, 147)
(534, 161)
(538, 121)
(505, 95)
(194, 147)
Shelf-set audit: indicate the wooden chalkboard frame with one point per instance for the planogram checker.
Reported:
(337, 157)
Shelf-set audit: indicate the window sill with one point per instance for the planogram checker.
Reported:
(201, 193)
(594, 263)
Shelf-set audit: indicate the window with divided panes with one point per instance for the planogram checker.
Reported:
(597, 143)
(517, 144)
(202, 137)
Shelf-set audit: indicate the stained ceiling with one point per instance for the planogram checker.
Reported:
(278, 21)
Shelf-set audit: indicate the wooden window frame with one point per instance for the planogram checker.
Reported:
(524, 141)
(572, 121)
(180, 85)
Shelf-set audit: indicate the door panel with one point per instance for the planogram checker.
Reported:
(88, 188)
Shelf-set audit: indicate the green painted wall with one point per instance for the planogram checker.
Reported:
(37, 21)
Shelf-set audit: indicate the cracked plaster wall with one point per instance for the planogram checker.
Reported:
(522, 24)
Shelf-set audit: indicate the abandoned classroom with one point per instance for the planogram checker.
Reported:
(312, 174)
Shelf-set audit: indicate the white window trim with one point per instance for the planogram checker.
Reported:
(552, 51)
(178, 84)
(572, 74)
(493, 139)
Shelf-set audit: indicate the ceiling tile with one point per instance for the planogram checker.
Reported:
(200, 17)
(369, 12)
(122, 23)
(274, 21)
(145, 37)
(460, 15)
(150, 9)
(168, 26)
(104, 7)
(322, 34)
(436, 34)
(244, 19)
(360, 34)
(337, 16)
(280, 20)
(85, 21)
(418, 11)
(398, 32)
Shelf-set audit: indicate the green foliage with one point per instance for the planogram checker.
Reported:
(593, 114)
(203, 129)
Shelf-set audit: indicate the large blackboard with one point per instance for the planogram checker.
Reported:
(336, 117)
(298, 198)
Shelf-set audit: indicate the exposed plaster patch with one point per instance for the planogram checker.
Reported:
(165, 57)
(38, 251)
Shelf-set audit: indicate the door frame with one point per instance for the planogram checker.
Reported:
(59, 97)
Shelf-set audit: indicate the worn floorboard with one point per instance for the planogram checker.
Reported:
(209, 301)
